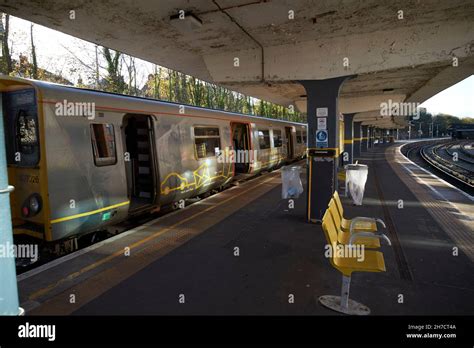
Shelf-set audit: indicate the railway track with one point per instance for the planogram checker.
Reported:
(460, 150)
(451, 160)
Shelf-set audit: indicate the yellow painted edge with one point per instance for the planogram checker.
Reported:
(348, 141)
(35, 234)
(48, 233)
(271, 161)
(67, 218)
(323, 148)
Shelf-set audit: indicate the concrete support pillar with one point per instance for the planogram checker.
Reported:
(8, 283)
(348, 156)
(357, 138)
(323, 143)
(370, 140)
(369, 137)
(364, 143)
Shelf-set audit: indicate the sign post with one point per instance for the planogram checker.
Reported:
(323, 143)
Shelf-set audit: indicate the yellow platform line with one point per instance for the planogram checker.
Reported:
(120, 252)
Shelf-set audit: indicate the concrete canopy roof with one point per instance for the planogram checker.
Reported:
(408, 59)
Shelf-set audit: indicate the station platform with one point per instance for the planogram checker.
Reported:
(192, 252)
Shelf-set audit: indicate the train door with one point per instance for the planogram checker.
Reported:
(141, 168)
(241, 146)
(289, 143)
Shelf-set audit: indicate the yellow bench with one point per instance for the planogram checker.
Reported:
(372, 261)
(358, 224)
(344, 237)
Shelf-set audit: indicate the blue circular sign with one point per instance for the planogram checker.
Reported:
(322, 135)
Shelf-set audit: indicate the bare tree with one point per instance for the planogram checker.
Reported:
(97, 76)
(157, 84)
(115, 81)
(7, 66)
(132, 74)
(34, 67)
(91, 66)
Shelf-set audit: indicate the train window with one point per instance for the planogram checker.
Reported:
(304, 137)
(27, 139)
(26, 127)
(299, 137)
(103, 144)
(277, 139)
(264, 139)
(207, 141)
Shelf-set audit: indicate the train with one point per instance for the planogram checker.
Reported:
(83, 160)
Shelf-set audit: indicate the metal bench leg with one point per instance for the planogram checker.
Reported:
(343, 304)
(346, 286)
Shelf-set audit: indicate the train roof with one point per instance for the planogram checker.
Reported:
(47, 84)
(462, 126)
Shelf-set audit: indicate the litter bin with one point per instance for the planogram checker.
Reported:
(356, 177)
(292, 186)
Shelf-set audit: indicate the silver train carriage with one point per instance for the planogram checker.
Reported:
(82, 160)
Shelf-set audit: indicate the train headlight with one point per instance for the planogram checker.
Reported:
(32, 206)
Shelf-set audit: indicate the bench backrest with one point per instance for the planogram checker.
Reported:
(332, 207)
(329, 228)
(339, 206)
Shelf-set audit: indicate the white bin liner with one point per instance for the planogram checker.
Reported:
(356, 177)
(292, 186)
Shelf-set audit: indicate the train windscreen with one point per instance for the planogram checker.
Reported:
(21, 127)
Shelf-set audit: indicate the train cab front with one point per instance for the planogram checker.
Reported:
(25, 160)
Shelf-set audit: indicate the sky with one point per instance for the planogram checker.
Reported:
(56, 51)
(456, 100)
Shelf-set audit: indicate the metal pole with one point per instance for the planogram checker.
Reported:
(8, 285)
(346, 285)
